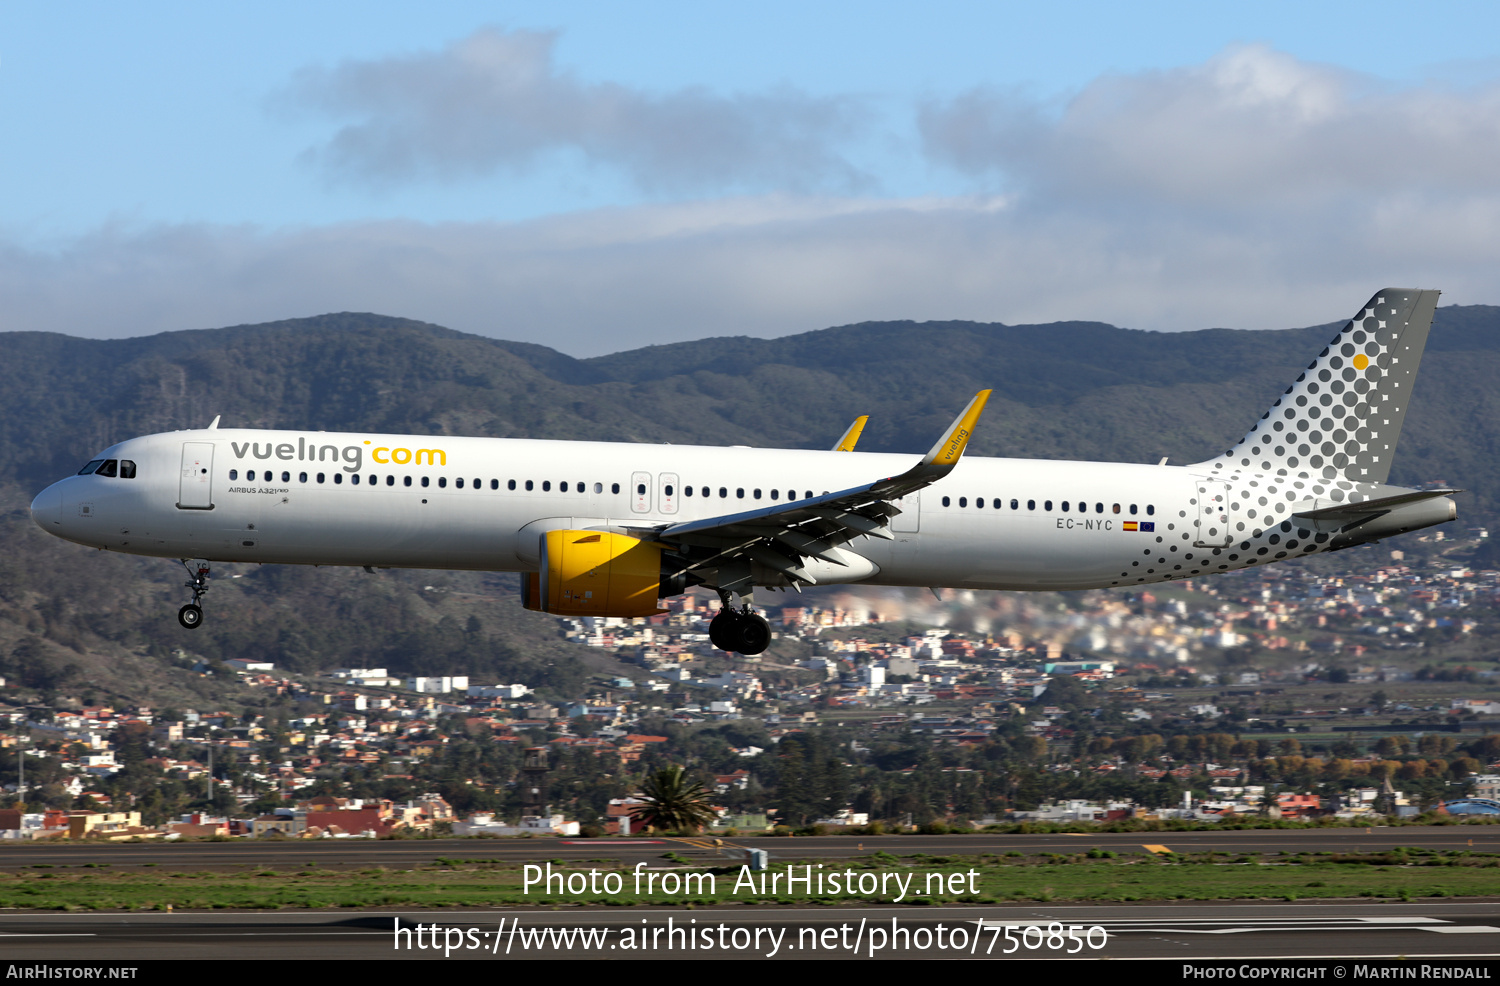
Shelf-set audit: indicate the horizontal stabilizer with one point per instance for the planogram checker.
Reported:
(1348, 512)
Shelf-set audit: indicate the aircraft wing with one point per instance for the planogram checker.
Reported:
(782, 536)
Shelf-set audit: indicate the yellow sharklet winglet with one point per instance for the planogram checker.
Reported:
(851, 436)
(950, 448)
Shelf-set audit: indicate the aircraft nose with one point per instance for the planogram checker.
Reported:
(46, 509)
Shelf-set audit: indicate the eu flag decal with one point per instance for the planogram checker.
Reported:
(1148, 525)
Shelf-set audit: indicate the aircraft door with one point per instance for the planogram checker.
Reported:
(195, 486)
(909, 520)
(1213, 514)
(640, 492)
(670, 491)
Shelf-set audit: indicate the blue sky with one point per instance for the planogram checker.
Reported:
(597, 177)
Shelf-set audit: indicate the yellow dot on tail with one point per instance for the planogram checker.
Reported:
(1361, 361)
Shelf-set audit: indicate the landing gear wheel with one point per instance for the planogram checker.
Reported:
(191, 615)
(740, 631)
(723, 630)
(754, 633)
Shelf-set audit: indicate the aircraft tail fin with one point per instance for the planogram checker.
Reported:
(1339, 421)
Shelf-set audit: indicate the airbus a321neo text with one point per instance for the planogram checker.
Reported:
(609, 529)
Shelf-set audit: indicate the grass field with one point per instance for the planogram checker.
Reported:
(1093, 875)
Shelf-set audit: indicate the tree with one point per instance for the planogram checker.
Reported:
(673, 802)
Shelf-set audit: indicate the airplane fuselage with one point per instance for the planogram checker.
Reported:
(316, 498)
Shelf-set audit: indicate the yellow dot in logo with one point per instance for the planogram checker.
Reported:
(1361, 361)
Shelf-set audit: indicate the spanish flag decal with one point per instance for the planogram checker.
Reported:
(1131, 525)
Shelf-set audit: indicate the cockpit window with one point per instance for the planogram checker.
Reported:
(110, 468)
(88, 470)
(127, 469)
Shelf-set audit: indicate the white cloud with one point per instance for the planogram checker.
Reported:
(1254, 191)
(617, 279)
(496, 101)
(1248, 130)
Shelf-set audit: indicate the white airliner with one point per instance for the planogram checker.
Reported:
(609, 529)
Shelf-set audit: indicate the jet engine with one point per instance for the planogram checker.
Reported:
(595, 573)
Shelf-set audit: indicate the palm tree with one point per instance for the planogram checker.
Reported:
(673, 802)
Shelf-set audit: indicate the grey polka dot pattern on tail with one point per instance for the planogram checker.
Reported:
(1328, 439)
(1341, 418)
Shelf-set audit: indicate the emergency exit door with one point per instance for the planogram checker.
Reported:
(195, 485)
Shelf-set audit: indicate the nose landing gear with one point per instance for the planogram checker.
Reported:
(191, 615)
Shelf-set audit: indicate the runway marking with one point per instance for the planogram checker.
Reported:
(1151, 848)
(1229, 926)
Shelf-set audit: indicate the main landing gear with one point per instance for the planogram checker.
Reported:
(741, 630)
(191, 615)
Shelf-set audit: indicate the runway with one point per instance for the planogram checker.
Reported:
(1198, 932)
(419, 852)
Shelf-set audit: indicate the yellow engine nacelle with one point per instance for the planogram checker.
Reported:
(594, 573)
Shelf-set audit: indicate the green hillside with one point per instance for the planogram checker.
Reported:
(80, 620)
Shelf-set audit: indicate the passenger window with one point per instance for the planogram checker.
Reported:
(390, 480)
(776, 494)
(302, 477)
(723, 492)
(963, 501)
(459, 482)
(1150, 510)
(1098, 508)
(598, 487)
(687, 491)
(667, 489)
(1064, 506)
(1116, 508)
(234, 474)
(614, 487)
(705, 491)
(1030, 504)
(791, 494)
(998, 503)
(110, 468)
(286, 477)
(809, 495)
(562, 487)
(478, 484)
(755, 494)
(249, 475)
(352, 479)
(89, 467)
(425, 481)
(740, 492)
(405, 480)
(1047, 505)
(1132, 508)
(546, 486)
(1015, 504)
(946, 501)
(979, 501)
(442, 482)
(127, 469)
(510, 484)
(338, 478)
(320, 477)
(528, 486)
